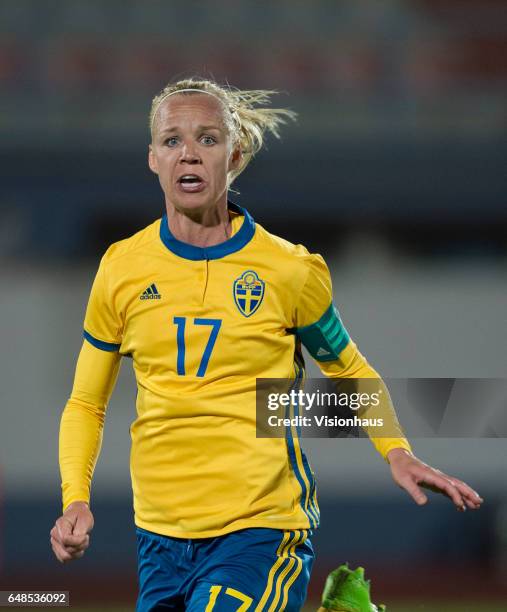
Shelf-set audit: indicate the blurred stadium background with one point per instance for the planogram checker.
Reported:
(395, 172)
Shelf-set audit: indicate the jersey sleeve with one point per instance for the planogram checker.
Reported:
(318, 323)
(103, 326)
(82, 421)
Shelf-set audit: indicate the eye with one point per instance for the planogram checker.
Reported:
(208, 140)
(172, 141)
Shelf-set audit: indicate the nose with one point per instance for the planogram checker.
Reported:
(189, 155)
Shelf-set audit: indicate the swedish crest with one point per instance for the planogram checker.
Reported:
(248, 292)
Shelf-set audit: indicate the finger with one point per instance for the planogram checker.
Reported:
(445, 486)
(75, 541)
(72, 549)
(84, 525)
(472, 498)
(64, 526)
(462, 486)
(61, 554)
(464, 489)
(54, 533)
(64, 554)
(414, 491)
(70, 542)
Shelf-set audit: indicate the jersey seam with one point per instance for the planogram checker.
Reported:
(300, 293)
(109, 303)
(132, 249)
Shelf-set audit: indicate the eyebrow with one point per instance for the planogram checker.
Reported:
(200, 128)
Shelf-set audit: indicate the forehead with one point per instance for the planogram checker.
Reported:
(198, 108)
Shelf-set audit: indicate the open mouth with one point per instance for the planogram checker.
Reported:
(191, 183)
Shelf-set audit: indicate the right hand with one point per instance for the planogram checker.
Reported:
(70, 534)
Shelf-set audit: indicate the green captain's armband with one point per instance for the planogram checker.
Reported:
(326, 338)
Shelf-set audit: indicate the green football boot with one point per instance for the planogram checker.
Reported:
(346, 590)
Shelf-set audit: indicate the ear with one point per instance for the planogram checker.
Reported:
(152, 160)
(234, 159)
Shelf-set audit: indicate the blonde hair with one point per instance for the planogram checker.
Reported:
(244, 117)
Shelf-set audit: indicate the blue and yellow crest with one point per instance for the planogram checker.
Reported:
(248, 292)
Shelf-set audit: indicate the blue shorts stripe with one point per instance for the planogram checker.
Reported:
(270, 582)
(293, 574)
(287, 561)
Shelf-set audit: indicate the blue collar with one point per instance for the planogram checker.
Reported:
(195, 253)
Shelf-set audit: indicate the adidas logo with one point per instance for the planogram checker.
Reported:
(151, 293)
(322, 351)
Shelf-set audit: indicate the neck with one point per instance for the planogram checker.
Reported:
(198, 227)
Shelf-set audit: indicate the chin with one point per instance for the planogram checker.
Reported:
(191, 201)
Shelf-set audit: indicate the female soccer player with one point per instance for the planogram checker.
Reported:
(206, 301)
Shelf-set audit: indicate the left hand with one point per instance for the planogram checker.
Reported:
(410, 473)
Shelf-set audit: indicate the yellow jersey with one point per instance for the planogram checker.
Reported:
(201, 325)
